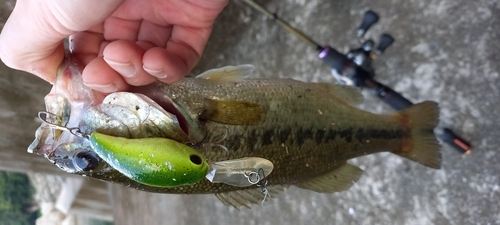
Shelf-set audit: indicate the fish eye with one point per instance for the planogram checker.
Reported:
(196, 159)
(85, 161)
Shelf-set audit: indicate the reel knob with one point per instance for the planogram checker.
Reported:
(386, 41)
(369, 19)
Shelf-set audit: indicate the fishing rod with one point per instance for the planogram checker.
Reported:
(355, 69)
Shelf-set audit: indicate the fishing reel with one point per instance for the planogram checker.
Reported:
(355, 67)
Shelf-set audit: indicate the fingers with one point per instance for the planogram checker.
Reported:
(39, 54)
(79, 15)
(187, 41)
(166, 65)
(124, 29)
(32, 37)
(125, 57)
(216, 5)
(86, 46)
(166, 45)
(120, 66)
(164, 52)
(154, 33)
(179, 30)
(138, 64)
(182, 53)
(99, 76)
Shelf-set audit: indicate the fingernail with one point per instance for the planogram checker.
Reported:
(125, 69)
(107, 88)
(160, 74)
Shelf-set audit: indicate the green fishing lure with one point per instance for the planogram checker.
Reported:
(155, 162)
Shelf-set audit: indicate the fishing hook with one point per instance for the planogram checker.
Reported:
(217, 143)
(261, 181)
(72, 130)
(263, 185)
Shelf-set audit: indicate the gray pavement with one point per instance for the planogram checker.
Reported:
(446, 51)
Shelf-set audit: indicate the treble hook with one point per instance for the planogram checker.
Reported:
(262, 183)
(72, 130)
(217, 142)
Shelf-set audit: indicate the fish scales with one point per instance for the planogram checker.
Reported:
(307, 131)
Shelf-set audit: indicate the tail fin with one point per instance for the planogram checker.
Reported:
(423, 146)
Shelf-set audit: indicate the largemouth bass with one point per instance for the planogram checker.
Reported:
(307, 131)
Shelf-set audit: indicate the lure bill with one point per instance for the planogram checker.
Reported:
(303, 132)
(240, 172)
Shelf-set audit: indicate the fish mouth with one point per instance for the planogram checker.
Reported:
(170, 108)
(154, 93)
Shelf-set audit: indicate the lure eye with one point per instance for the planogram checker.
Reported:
(85, 161)
(196, 159)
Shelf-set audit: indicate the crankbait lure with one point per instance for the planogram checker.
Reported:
(158, 162)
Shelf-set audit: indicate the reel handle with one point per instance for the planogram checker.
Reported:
(386, 41)
(369, 19)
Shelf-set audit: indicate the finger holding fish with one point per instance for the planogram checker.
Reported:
(131, 69)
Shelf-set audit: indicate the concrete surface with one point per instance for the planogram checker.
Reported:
(446, 51)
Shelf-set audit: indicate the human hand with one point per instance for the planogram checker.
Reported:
(119, 42)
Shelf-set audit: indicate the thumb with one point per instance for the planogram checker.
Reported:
(32, 38)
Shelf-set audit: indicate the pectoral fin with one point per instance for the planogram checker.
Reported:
(248, 197)
(338, 180)
(233, 112)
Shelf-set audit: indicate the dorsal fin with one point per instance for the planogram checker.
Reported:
(338, 180)
(348, 94)
(249, 196)
(228, 73)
